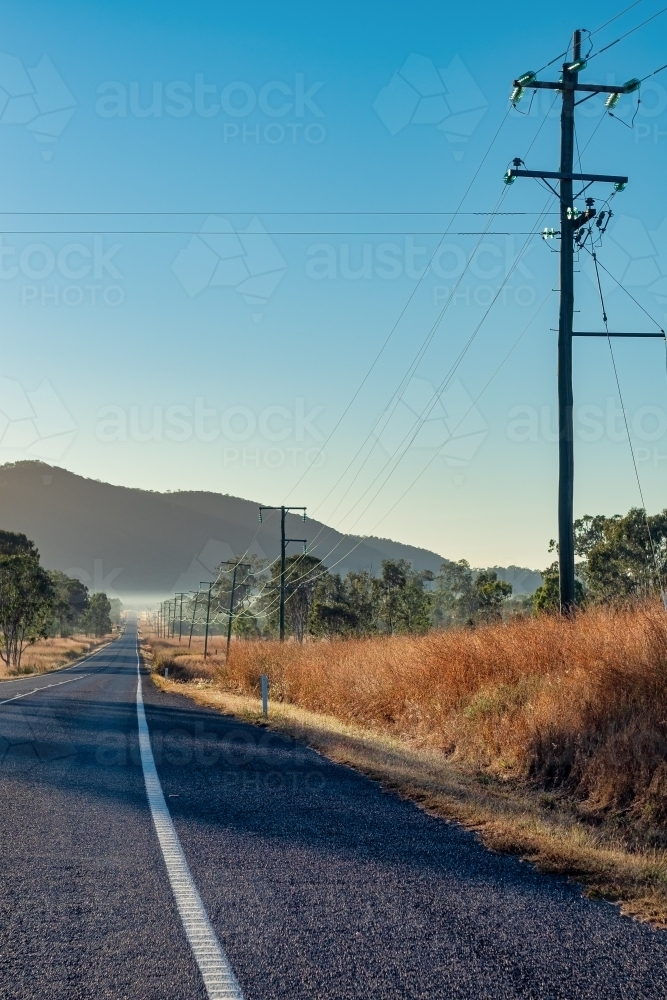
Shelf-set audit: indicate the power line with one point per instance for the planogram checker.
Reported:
(423, 416)
(630, 32)
(627, 428)
(291, 232)
(259, 212)
(615, 17)
(404, 309)
(413, 366)
(412, 434)
(454, 429)
(654, 73)
(396, 324)
(591, 33)
(396, 395)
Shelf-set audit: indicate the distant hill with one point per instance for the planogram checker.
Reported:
(143, 546)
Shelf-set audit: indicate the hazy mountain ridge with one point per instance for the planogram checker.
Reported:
(142, 545)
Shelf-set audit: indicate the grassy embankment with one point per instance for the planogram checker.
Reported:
(49, 654)
(549, 737)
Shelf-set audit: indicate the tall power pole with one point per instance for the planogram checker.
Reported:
(237, 566)
(180, 616)
(571, 221)
(208, 584)
(283, 546)
(194, 612)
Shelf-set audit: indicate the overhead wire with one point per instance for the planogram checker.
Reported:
(544, 213)
(398, 320)
(424, 416)
(292, 232)
(591, 33)
(627, 432)
(396, 396)
(462, 418)
(421, 419)
(405, 378)
(405, 306)
(610, 45)
(627, 33)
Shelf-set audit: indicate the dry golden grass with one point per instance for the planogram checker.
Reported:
(49, 654)
(550, 736)
(186, 663)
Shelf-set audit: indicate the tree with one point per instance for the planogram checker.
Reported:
(359, 591)
(97, 620)
(26, 601)
(454, 596)
(400, 598)
(465, 597)
(546, 598)
(331, 613)
(70, 603)
(116, 610)
(490, 593)
(622, 556)
(245, 625)
(301, 574)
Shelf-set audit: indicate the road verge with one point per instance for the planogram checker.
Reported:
(508, 816)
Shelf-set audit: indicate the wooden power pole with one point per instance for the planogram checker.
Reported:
(571, 220)
(284, 542)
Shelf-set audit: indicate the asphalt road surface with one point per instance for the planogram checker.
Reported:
(281, 876)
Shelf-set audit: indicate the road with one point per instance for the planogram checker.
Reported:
(245, 861)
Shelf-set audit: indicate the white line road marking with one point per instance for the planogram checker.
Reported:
(44, 687)
(56, 684)
(217, 973)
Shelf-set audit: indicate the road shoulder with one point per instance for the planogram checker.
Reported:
(507, 818)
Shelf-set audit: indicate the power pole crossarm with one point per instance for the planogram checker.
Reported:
(588, 88)
(558, 176)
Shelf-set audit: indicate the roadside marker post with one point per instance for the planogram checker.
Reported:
(265, 695)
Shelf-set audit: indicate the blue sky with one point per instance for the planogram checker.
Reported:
(218, 346)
